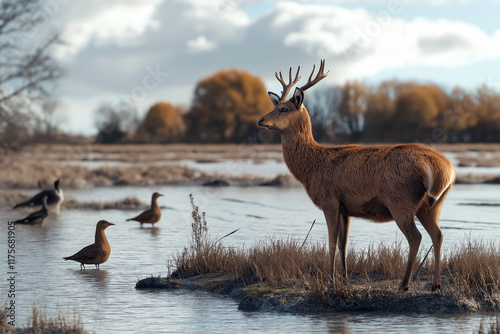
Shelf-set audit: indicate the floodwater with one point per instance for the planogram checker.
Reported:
(106, 299)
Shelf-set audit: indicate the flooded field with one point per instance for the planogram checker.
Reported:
(107, 301)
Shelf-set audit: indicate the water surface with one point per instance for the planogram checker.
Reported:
(108, 302)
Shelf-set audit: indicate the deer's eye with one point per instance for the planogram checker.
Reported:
(283, 110)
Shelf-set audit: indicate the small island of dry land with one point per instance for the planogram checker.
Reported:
(292, 276)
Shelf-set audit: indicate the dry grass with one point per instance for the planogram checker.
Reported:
(470, 271)
(471, 178)
(466, 147)
(8, 198)
(144, 165)
(474, 269)
(39, 322)
(18, 175)
(127, 203)
(136, 153)
(481, 159)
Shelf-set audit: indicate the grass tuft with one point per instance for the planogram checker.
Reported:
(39, 322)
(469, 271)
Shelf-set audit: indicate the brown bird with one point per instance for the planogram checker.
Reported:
(151, 215)
(96, 253)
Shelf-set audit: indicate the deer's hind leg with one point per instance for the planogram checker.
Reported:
(406, 223)
(429, 218)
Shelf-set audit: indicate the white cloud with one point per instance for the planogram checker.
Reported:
(114, 41)
(365, 45)
(113, 22)
(201, 44)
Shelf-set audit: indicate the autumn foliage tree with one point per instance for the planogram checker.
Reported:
(397, 111)
(352, 108)
(487, 116)
(417, 111)
(380, 112)
(163, 123)
(226, 107)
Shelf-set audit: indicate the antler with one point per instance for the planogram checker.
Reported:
(320, 76)
(287, 87)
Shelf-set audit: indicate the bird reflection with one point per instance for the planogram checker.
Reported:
(155, 231)
(95, 276)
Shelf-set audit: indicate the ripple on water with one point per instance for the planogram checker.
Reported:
(108, 302)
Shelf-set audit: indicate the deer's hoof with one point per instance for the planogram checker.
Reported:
(436, 287)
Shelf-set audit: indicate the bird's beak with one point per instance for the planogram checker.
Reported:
(161, 195)
(110, 223)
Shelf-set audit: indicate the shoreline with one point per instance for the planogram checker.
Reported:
(379, 296)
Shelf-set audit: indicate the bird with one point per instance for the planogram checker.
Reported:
(96, 253)
(55, 197)
(151, 215)
(37, 217)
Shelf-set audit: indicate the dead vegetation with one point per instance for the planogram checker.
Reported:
(89, 165)
(149, 153)
(471, 275)
(18, 175)
(40, 322)
(8, 198)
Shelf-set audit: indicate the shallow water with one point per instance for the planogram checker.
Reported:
(108, 302)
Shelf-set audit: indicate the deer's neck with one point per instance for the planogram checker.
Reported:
(299, 149)
(100, 237)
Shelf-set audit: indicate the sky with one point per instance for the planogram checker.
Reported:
(157, 50)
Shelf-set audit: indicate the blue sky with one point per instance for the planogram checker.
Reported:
(115, 46)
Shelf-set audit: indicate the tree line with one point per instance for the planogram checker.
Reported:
(227, 104)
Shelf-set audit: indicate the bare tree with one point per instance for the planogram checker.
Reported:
(114, 120)
(352, 109)
(50, 120)
(323, 106)
(28, 71)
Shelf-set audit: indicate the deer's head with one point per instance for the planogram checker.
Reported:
(288, 114)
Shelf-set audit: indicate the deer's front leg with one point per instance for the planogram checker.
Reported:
(344, 223)
(333, 224)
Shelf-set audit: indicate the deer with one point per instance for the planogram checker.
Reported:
(378, 183)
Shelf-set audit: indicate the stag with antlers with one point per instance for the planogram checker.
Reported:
(380, 183)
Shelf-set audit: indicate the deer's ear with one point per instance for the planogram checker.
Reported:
(274, 98)
(298, 97)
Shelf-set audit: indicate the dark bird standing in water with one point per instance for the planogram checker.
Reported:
(151, 215)
(96, 253)
(54, 196)
(37, 217)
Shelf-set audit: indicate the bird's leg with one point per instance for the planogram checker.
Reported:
(97, 266)
(82, 266)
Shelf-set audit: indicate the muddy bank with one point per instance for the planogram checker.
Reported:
(375, 297)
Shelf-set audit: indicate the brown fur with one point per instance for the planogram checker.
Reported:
(380, 183)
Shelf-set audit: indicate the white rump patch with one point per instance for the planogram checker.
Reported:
(430, 180)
